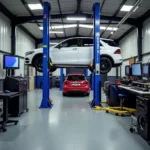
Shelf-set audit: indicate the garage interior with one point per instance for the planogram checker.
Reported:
(72, 117)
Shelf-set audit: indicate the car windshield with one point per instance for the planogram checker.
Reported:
(75, 78)
(110, 43)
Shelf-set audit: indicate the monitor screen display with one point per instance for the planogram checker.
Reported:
(11, 62)
(145, 69)
(136, 70)
(127, 70)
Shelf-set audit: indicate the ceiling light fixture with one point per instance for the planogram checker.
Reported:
(35, 6)
(86, 26)
(64, 26)
(126, 8)
(76, 18)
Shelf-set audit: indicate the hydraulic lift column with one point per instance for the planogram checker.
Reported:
(61, 79)
(97, 84)
(46, 40)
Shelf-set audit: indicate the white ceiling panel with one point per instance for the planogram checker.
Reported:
(15, 7)
(34, 29)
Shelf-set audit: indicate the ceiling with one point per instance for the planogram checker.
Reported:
(60, 7)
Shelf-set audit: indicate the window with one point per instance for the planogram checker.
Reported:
(110, 43)
(76, 78)
(87, 42)
(68, 43)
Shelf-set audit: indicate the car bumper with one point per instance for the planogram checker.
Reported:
(117, 59)
(76, 90)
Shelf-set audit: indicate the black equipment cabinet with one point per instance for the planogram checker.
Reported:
(143, 117)
(18, 104)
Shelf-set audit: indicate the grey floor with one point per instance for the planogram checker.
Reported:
(70, 125)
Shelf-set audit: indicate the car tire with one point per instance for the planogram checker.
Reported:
(38, 64)
(106, 65)
(87, 94)
(64, 94)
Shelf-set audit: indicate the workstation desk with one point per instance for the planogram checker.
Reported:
(129, 89)
(6, 97)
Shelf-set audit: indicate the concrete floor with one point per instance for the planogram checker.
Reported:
(70, 125)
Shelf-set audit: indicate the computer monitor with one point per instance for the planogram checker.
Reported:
(137, 69)
(127, 70)
(10, 62)
(146, 70)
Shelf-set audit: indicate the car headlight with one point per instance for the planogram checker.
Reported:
(29, 53)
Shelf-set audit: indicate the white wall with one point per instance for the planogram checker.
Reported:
(128, 45)
(5, 33)
(146, 36)
(24, 43)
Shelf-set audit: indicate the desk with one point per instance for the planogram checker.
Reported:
(6, 97)
(145, 94)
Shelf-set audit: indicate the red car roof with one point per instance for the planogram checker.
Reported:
(76, 75)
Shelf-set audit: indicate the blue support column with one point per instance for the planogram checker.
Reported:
(61, 79)
(46, 40)
(97, 87)
(86, 73)
(93, 81)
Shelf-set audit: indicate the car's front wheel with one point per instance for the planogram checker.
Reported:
(38, 64)
(105, 65)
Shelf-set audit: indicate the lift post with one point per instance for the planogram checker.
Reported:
(97, 83)
(46, 103)
(61, 79)
(86, 73)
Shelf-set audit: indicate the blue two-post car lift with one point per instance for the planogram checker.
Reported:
(46, 103)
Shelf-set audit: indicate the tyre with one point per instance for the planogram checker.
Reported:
(38, 64)
(87, 94)
(64, 94)
(106, 65)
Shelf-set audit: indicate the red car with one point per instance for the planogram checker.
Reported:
(76, 83)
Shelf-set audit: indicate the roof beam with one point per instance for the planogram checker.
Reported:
(78, 11)
(65, 23)
(6, 12)
(115, 14)
(25, 19)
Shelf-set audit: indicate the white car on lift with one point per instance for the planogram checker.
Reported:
(77, 52)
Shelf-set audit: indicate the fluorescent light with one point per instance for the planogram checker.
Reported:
(112, 32)
(135, 8)
(57, 32)
(112, 29)
(64, 26)
(35, 6)
(76, 18)
(86, 26)
(61, 26)
(126, 8)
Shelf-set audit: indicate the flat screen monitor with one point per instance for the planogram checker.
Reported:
(10, 62)
(146, 70)
(127, 70)
(137, 69)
